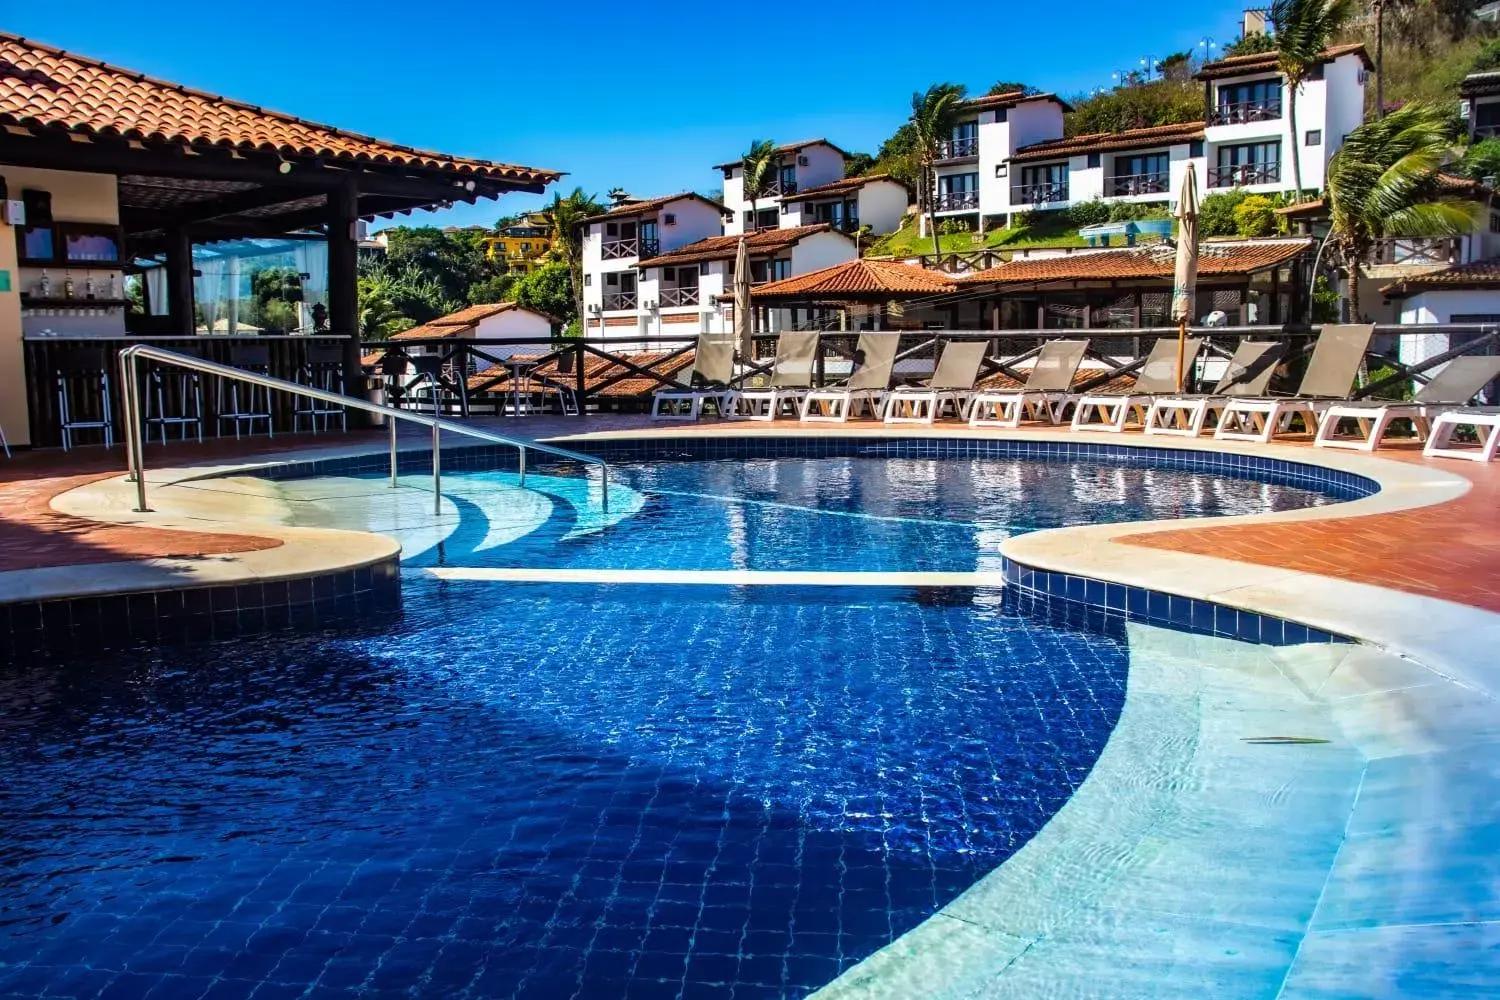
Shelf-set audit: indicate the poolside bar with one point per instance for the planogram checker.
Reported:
(135, 209)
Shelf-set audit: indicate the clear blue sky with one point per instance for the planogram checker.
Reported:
(547, 85)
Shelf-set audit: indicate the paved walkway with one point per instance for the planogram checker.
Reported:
(1451, 550)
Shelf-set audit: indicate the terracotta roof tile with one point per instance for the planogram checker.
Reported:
(1100, 142)
(1480, 85)
(863, 278)
(651, 205)
(434, 330)
(45, 86)
(1259, 61)
(1476, 274)
(456, 323)
(791, 147)
(766, 241)
(845, 186)
(1157, 261)
(990, 102)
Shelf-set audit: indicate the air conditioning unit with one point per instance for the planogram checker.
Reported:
(713, 300)
(801, 161)
(649, 306)
(595, 308)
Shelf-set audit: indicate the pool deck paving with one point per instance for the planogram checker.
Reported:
(1197, 859)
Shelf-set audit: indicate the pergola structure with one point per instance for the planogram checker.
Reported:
(195, 167)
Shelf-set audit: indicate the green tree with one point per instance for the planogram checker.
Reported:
(1384, 182)
(1136, 105)
(858, 164)
(451, 260)
(567, 214)
(1009, 87)
(1177, 66)
(934, 113)
(897, 156)
(548, 289)
(1255, 216)
(1304, 29)
(280, 283)
(496, 288)
(1250, 45)
(378, 315)
(757, 170)
(1216, 213)
(1482, 159)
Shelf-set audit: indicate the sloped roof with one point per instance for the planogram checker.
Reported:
(991, 102)
(1480, 85)
(648, 206)
(1102, 142)
(845, 186)
(458, 323)
(1267, 61)
(1155, 261)
(1476, 274)
(766, 241)
(860, 279)
(791, 147)
(45, 86)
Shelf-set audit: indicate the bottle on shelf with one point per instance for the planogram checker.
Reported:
(68, 290)
(88, 285)
(44, 286)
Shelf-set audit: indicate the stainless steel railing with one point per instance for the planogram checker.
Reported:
(130, 374)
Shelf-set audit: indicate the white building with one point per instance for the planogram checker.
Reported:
(484, 322)
(1011, 157)
(878, 201)
(615, 242)
(1480, 105)
(800, 166)
(690, 290)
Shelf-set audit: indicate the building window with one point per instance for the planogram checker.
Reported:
(1254, 101)
(611, 229)
(1094, 160)
(526, 248)
(1246, 164)
(588, 280)
(611, 279)
(1494, 223)
(669, 219)
(1002, 170)
(1314, 137)
(958, 183)
(1002, 115)
(703, 269)
(1195, 148)
(1041, 185)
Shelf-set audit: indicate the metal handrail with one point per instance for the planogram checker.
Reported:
(135, 444)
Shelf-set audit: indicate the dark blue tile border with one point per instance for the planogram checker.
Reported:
(83, 624)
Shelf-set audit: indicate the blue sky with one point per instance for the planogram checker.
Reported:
(548, 85)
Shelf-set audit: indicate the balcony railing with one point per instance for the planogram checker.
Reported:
(634, 247)
(1039, 194)
(957, 201)
(1486, 132)
(1245, 111)
(679, 296)
(842, 225)
(1244, 175)
(776, 188)
(1125, 185)
(620, 300)
(958, 149)
(1418, 250)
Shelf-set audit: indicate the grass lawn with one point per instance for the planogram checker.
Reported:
(905, 242)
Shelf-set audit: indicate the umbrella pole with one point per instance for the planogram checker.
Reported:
(1181, 352)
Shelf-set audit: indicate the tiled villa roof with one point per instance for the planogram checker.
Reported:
(788, 149)
(1476, 274)
(1480, 85)
(991, 102)
(1156, 261)
(1266, 62)
(457, 323)
(650, 206)
(45, 86)
(846, 186)
(857, 279)
(767, 241)
(1103, 142)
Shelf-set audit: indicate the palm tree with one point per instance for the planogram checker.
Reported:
(566, 213)
(378, 315)
(933, 115)
(1387, 181)
(757, 170)
(1304, 29)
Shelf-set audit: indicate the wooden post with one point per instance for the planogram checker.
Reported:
(1181, 352)
(343, 290)
(180, 281)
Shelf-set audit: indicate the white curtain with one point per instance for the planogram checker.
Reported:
(312, 260)
(156, 290)
(212, 291)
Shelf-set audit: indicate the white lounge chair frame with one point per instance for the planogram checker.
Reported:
(1044, 397)
(950, 387)
(1186, 416)
(791, 381)
(714, 356)
(1453, 388)
(1158, 376)
(866, 388)
(1486, 424)
(1329, 377)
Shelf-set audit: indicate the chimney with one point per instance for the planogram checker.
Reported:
(1255, 22)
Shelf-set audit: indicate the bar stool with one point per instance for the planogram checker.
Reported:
(241, 402)
(174, 396)
(323, 369)
(82, 383)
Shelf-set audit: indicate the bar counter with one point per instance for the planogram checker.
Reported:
(46, 356)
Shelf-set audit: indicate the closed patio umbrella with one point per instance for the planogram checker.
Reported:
(744, 321)
(1185, 280)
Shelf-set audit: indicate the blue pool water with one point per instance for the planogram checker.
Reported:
(540, 790)
(535, 791)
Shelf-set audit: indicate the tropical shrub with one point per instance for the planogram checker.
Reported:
(1216, 213)
(1088, 213)
(1255, 216)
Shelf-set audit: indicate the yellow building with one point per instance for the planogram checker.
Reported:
(523, 246)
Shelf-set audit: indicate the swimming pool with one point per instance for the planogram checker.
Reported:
(552, 790)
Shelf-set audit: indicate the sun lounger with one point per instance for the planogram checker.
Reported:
(1157, 377)
(1248, 374)
(705, 381)
(951, 384)
(1453, 388)
(1485, 422)
(791, 379)
(874, 359)
(1329, 377)
(1047, 391)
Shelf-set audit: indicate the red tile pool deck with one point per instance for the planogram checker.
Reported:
(1450, 550)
